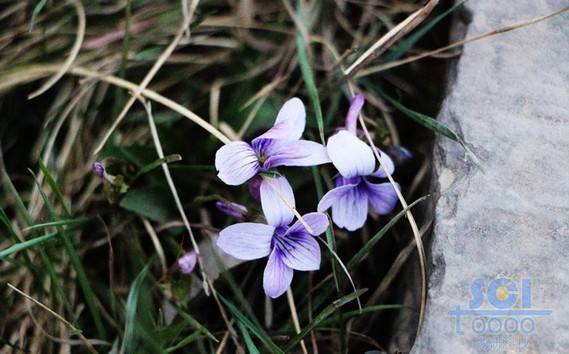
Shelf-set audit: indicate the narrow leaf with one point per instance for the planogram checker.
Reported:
(329, 310)
(57, 223)
(89, 294)
(258, 332)
(27, 244)
(248, 341)
(131, 309)
(435, 126)
(194, 323)
(366, 249)
(308, 75)
(154, 164)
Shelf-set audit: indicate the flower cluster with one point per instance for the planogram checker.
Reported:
(292, 246)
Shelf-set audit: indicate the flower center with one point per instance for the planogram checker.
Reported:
(261, 146)
(278, 235)
(262, 158)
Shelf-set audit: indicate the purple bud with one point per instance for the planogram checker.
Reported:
(353, 112)
(99, 169)
(399, 153)
(235, 210)
(187, 262)
(255, 188)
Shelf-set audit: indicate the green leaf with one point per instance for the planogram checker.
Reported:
(139, 155)
(90, 298)
(37, 9)
(194, 323)
(131, 309)
(27, 244)
(329, 310)
(330, 241)
(236, 289)
(435, 126)
(44, 253)
(156, 163)
(58, 223)
(308, 75)
(153, 203)
(149, 53)
(258, 332)
(54, 187)
(248, 341)
(184, 342)
(366, 249)
(6, 221)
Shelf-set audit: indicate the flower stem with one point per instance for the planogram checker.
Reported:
(294, 316)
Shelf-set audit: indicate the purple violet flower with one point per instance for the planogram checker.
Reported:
(355, 193)
(238, 161)
(235, 210)
(98, 169)
(187, 262)
(400, 154)
(289, 248)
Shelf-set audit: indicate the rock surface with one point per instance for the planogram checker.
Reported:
(509, 99)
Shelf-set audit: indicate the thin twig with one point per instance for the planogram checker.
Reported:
(36, 72)
(157, 245)
(81, 23)
(414, 228)
(228, 323)
(345, 269)
(58, 316)
(396, 266)
(387, 40)
(150, 75)
(223, 343)
(394, 64)
(294, 316)
(174, 191)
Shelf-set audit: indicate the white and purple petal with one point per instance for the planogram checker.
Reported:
(351, 210)
(354, 112)
(236, 163)
(333, 196)
(246, 241)
(382, 197)
(298, 250)
(290, 121)
(274, 193)
(351, 156)
(349, 205)
(318, 222)
(386, 165)
(294, 153)
(277, 276)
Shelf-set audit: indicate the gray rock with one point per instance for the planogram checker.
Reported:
(509, 98)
